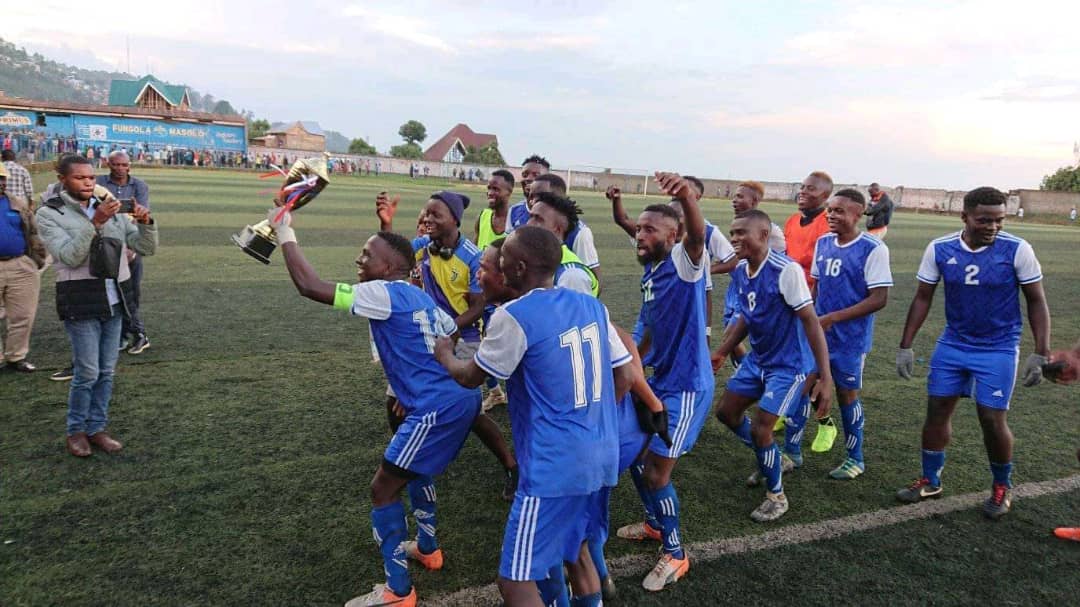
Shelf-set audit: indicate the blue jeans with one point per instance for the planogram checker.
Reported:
(95, 346)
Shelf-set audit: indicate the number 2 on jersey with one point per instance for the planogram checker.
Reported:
(573, 339)
(970, 272)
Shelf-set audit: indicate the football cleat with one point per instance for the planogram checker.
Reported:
(1068, 533)
(607, 589)
(848, 470)
(918, 491)
(825, 437)
(432, 562)
(1000, 501)
(774, 506)
(381, 595)
(668, 570)
(638, 532)
(779, 425)
(786, 465)
(495, 396)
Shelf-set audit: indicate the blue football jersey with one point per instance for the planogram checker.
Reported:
(517, 216)
(731, 295)
(982, 288)
(673, 311)
(405, 322)
(768, 301)
(845, 274)
(556, 349)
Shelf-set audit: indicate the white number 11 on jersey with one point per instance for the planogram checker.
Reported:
(572, 339)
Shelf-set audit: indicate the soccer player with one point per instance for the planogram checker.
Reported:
(438, 412)
(777, 313)
(491, 224)
(580, 239)
(448, 263)
(533, 167)
(641, 413)
(721, 255)
(983, 269)
(556, 348)
(673, 343)
(801, 233)
(559, 216)
(852, 280)
(748, 195)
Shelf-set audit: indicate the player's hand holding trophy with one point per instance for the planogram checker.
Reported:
(303, 182)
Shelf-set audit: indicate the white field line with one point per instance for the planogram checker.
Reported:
(639, 564)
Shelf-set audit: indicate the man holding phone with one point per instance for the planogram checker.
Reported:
(130, 191)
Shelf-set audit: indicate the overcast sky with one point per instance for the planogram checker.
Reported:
(936, 94)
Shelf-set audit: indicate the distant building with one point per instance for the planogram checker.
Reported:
(299, 135)
(453, 146)
(40, 129)
(148, 93)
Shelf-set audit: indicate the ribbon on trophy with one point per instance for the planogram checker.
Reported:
(303, 182)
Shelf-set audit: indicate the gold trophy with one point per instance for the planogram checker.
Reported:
(303, 182)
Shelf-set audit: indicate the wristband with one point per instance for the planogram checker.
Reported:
(343, 296)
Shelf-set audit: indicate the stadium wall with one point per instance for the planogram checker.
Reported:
(914, 199)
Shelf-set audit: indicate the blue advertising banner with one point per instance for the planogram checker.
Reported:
(130, 132)
(21, 121)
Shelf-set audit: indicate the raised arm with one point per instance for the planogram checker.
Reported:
(385, 209)
(618, 212)
(303, 275)
(694, 222)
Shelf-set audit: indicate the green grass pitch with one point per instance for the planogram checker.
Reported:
(254, 423)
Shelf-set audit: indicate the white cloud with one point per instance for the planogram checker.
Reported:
(409, 29)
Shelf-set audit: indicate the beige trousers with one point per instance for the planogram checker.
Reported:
(20, 285)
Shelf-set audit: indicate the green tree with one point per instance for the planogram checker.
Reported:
(258, 128)
(409, 150)
(224, 108)
(1066, 179)
(413, 132)
(359, 146)
(489, 154)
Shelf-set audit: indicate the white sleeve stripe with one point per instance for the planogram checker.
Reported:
(728, 258)
(488, 368)
(617, 363)
(879, 284)
(1031, 280)
(802, 305)
(927, 280)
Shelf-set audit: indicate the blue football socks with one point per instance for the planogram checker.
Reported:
(666, 503)
(589, 600)
(743, 432)
(422, 499)
(794, 427)
(553, 590)
(769, 465)
(388, 527)
(853, 429)
(1002, 473)
(637, 472)
(932, 464)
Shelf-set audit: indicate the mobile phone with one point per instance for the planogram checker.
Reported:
(127, 205)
